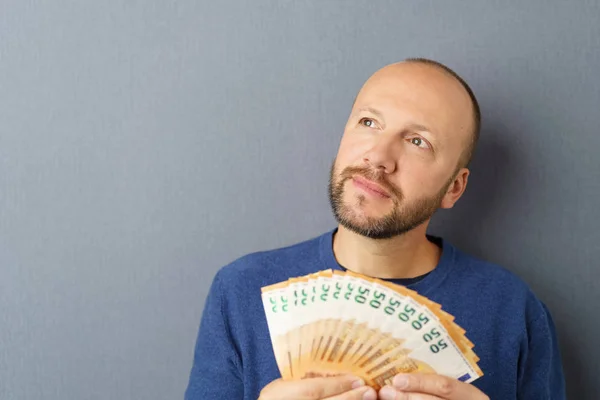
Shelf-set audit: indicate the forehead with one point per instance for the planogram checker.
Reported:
(419, 94)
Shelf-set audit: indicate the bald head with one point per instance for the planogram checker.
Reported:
(451, 91)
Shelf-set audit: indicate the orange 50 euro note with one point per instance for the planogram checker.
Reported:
(334, 322)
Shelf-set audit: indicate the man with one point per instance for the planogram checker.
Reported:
(403, 155)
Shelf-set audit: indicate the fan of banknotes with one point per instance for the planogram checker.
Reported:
(334, 322)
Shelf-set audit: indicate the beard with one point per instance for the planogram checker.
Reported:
(402, 218)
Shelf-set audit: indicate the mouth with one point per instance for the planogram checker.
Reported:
(370, 187)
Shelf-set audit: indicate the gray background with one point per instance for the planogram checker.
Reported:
(144, 144)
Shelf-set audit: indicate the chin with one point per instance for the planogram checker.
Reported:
(364, 207)
(363, 215)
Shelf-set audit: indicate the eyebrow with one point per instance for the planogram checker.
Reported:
(419, 127)
(371, 110)
(412, 127)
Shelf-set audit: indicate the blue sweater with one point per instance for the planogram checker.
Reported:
(512, 330)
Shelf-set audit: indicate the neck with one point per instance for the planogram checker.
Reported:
(405, 256)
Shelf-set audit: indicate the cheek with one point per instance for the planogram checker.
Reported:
(422, 183)
(352, 149)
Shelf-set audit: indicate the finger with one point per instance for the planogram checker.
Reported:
(311, 388)
(390, 393)
(361, 393)
(437, 385)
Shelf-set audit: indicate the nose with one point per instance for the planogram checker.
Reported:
(381, 156)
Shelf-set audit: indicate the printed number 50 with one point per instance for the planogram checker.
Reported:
(435, 348)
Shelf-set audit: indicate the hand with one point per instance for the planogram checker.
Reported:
(429, 387)
(342, 387)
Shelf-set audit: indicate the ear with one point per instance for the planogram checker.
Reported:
(456, 188)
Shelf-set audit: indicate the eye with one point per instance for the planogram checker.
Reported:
(417, 141)
(368, 122)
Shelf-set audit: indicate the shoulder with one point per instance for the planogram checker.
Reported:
(510, 324)
(493, 281)
(265, 267)
(487, 274)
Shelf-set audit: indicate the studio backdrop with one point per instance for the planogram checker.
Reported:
(145, 144)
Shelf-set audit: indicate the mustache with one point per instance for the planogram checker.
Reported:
(375, 176)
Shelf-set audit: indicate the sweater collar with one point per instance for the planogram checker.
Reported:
(423, 286)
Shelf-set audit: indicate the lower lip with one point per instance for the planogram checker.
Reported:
(367, 189)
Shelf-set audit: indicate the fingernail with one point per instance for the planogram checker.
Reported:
(400, 381)
(370, 394)
(358, 383)
(387, 393)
